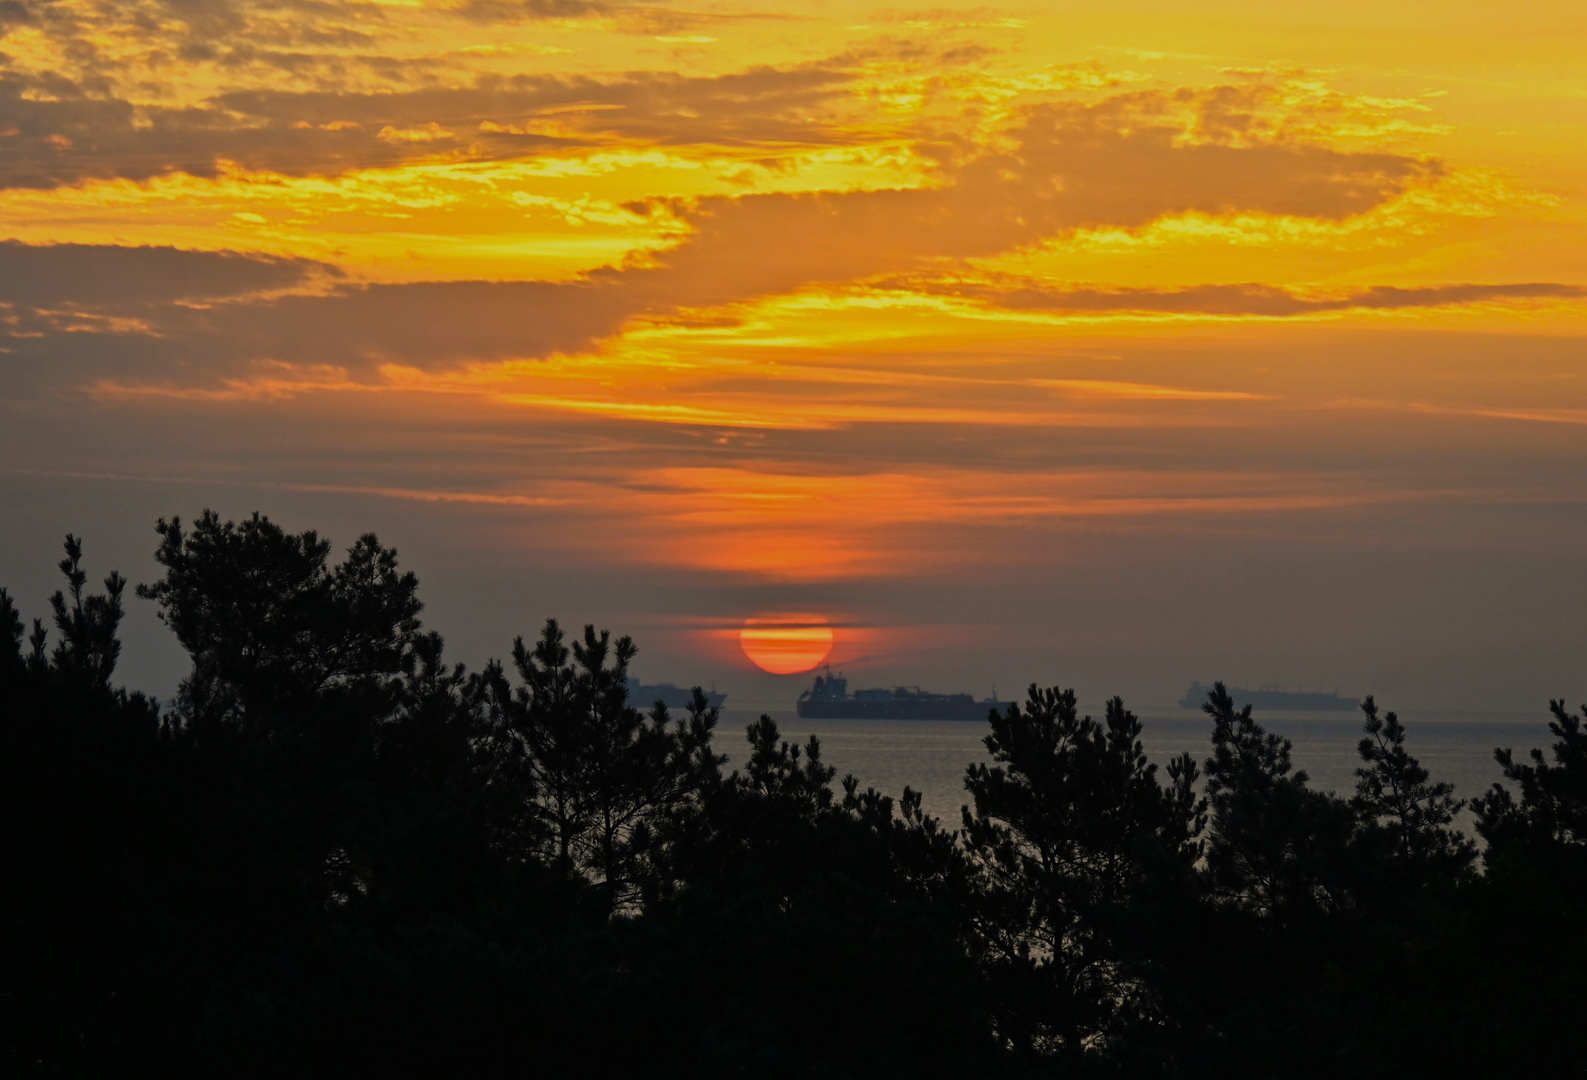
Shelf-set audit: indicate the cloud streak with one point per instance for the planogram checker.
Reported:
(1014, 294)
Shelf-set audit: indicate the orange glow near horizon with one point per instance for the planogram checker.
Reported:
(786, 644)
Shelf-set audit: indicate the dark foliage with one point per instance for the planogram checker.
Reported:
(1405, 820)
(1551, 815)
(269, 626)
(1070, 829)
(337, 854)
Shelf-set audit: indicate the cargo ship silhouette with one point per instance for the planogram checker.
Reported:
(829, 699)
(644, 696)
(1271, 697)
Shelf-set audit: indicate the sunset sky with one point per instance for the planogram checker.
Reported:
(1116, 345)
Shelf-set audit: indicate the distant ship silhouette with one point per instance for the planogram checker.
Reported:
(1271, 697)
(645, 695)
(829, 699)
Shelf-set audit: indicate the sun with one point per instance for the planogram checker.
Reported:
(786, 644)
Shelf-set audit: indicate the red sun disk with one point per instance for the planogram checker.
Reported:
(788, 645)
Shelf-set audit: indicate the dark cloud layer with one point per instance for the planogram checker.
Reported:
(763, 104)
(427, 324)
(624, 16)
(54, 131)
(14, 13)
(1241, 299)
(101, 44)
(120, 280)
(503, 11)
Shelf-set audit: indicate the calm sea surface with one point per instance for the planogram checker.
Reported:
(930, 755)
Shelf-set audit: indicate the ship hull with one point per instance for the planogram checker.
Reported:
(896, 710)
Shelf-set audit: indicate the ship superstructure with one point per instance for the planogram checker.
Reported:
(829, 699)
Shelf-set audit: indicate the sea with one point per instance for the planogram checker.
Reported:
(931, 755)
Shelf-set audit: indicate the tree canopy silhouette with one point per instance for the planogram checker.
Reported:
(269, 625)
(337, 853)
